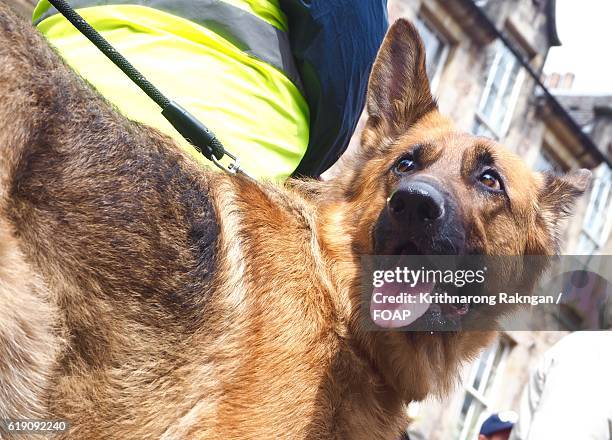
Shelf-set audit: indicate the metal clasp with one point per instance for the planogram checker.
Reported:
(234, 166)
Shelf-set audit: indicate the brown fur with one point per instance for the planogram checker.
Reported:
(143, 297)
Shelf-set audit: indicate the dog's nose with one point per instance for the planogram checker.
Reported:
(416, 203)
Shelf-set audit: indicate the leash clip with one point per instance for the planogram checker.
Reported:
(233, 167)
(201, 137)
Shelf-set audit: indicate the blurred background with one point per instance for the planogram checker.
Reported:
(537, 76)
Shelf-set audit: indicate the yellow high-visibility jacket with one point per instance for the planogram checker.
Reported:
(226, 61)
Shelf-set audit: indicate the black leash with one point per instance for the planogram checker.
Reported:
(184, 122)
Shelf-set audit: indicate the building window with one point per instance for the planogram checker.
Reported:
(597, 220)
(500, 94)
(436, 48)
(478, 389)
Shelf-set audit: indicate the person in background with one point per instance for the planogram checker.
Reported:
(281, 83)
(497, 426)
(569, 395)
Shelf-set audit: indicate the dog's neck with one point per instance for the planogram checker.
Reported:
(341, 386)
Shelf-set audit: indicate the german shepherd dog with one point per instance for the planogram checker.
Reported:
(142, 296)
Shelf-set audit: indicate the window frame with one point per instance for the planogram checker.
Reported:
(498, 133)
(483, 395)
(601, 183)
(422, 20)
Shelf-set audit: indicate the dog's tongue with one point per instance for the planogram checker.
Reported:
(398, 314)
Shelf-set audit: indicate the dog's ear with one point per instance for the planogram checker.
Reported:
(557, 197)
(398, 90)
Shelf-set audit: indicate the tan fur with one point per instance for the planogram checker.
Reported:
(27, 335)
(194, 304)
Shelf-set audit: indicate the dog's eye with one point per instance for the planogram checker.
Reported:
(491, 180)
(404, 165)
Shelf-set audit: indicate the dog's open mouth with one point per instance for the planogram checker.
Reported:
(397, 305)
(454, 311)
(412, 305)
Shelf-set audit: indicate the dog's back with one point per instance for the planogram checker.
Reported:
(70, 168)
(143, 316)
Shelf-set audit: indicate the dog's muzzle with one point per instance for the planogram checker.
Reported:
(419, 218)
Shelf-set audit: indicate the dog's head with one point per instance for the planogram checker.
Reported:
(418, 185)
